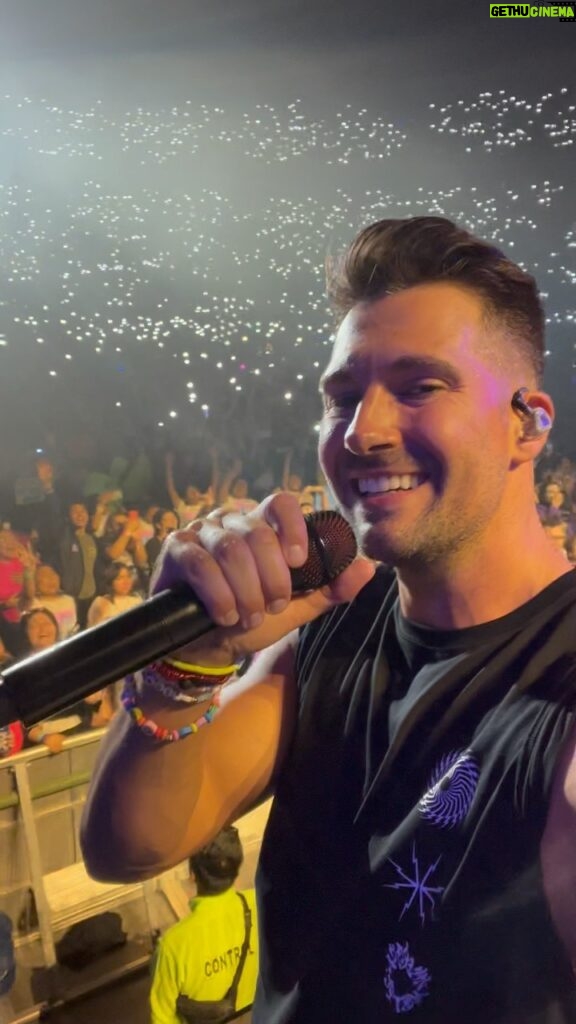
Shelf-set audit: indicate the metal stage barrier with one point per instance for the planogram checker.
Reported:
(44, 886)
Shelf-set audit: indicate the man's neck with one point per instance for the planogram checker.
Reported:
(481, 585)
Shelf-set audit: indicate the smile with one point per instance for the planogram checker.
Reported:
(383, 484)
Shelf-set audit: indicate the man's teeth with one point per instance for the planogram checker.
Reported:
(381, 484)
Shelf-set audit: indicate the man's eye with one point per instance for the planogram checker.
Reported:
(335, 402)
(421, 390)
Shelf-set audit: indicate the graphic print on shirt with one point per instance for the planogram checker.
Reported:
(451, 789)
(419, 893)
(405, 981)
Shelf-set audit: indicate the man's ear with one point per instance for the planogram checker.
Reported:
(535, 415)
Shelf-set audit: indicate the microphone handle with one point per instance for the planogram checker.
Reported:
(54, 679)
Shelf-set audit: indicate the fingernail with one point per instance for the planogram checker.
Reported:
(230, 619)
(255, 620)
(277, 606)
(296, 553)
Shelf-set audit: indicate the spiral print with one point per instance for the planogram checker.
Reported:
(451, 789)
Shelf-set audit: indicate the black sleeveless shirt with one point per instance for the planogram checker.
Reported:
(400, 876)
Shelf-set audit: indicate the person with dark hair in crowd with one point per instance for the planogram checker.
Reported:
(122, 542)
(415, 718)
(164, 522)
(118, 582)
(78, 559)
(47, 515)
(39, 629)
(198, 956)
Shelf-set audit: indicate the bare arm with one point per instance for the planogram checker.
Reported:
(157, 803)
(228, 479)
(115, 550)
(174, 496)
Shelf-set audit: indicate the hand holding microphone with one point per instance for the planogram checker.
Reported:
(262, 575)
(223, 589)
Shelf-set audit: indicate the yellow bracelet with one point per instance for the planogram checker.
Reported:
(201, 670)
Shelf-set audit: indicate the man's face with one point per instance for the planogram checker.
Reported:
(416, 435)
(79, 516)
(45, 470)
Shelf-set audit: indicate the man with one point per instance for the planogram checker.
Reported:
(164, 522)
(418, 734)
(78, 555)
(198, 956)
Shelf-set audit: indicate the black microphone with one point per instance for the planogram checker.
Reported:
(50, 681)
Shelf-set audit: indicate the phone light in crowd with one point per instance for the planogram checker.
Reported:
(288, 396)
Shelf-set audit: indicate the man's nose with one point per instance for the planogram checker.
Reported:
(375, 424)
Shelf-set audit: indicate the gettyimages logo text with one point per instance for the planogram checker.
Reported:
(562, 13)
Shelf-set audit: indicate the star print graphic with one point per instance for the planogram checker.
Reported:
(421, 894)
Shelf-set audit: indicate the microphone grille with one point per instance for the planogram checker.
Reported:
(331, 548)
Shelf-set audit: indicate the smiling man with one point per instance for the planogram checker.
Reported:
(414, 720)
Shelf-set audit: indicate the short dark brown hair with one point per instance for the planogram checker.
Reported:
(391, 255)
(216, 865)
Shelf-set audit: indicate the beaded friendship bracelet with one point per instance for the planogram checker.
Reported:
(158, 732)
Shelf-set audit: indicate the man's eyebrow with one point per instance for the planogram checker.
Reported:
(333, 379)
(425, 364)
(405, 364)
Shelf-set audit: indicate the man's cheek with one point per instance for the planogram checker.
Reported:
(330, 444)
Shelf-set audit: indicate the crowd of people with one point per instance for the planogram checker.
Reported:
(69, 561)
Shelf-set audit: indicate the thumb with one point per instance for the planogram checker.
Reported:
(346, 586)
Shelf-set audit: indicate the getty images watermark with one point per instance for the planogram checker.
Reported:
(565, 13)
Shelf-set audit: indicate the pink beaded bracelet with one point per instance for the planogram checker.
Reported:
(159, 732)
